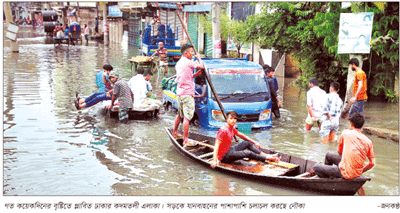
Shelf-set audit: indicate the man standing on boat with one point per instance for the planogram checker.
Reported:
(185, 90)
(223, 152)
(315, 102)
(354, 147)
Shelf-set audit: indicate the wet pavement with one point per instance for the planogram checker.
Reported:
(47, 142)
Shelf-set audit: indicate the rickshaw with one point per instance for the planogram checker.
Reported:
(75, 32)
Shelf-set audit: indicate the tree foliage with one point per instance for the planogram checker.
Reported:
(230, 29)
(310, 31)
(385, 56)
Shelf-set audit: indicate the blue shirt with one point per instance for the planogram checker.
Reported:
(66, 31)
(99, 81)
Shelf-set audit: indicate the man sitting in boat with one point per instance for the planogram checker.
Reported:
(354, 147)
(139, 88)
(223, 152)
(105, 90)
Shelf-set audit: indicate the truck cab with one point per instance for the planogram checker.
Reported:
(240, 86)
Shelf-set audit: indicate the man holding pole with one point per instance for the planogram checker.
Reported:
(185, 90)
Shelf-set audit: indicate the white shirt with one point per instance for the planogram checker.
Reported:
(316, 99)
(138, 86)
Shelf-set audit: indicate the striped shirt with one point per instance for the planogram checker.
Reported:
(163, 54)
(333, 105)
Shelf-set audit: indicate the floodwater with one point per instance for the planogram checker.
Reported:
(47, 142)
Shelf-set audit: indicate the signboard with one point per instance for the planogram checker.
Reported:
(12, 31)
(355, 32)
(12, 36)
(166, 5)
(114, 11)
(87, 4)
(220, 71)
(12, 28)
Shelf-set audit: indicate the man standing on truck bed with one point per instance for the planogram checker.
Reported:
(185, 90)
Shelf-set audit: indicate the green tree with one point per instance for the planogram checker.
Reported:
(305, 29)
(384, 57)
(310, 31)
(230, 29)
(236, 30)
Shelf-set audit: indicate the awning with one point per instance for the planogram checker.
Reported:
(197, 8)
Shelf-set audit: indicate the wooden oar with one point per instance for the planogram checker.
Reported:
(206, 74)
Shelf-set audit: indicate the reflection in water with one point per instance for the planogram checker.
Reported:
(50, 148)
(221, 186)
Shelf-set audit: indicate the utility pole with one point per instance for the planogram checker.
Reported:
(9, 19)
(216, 29)
(105, 24)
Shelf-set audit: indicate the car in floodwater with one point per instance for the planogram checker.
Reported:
(240, 86)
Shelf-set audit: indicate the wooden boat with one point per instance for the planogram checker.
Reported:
(290, 172)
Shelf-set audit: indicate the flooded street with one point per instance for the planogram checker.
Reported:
(47, 142)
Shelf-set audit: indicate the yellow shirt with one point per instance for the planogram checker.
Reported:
(360, 76)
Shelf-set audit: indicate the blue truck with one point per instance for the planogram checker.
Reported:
(163, 33)
(240, 86)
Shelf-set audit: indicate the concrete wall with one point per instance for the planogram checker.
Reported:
(292, 68)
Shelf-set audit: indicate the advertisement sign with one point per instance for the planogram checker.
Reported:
(217, 49)
(166, 5)
(355, 32)
(114, 11)
(12, 31)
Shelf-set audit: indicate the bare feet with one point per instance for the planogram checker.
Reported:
(274, 158)
(189, 143)
(177, 135)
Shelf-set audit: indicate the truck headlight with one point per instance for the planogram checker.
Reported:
(265, 115)
(217, 115)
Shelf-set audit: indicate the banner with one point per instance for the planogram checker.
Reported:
(355, 32)
(114, 11)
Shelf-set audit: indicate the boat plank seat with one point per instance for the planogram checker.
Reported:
(206, 155)
(258, 167)
(304, 175)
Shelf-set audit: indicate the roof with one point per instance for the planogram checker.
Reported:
(229, 63)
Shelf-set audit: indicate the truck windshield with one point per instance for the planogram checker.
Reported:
(240, 85)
